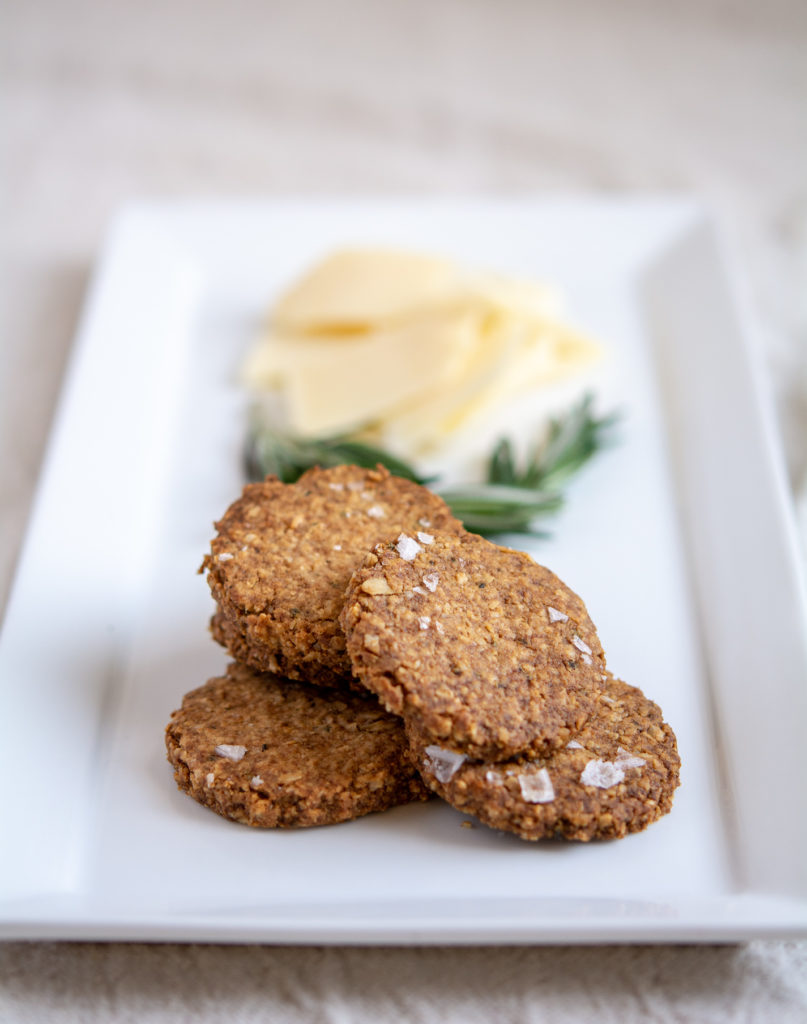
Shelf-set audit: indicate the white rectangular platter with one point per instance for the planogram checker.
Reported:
(679, 539)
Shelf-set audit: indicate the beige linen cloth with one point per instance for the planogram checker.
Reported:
(105, 101)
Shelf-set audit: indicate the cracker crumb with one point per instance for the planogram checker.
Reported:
(467, 824)
(371, 643)
(376, 585)
(232, 751)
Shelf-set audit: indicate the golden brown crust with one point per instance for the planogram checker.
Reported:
(272, 753)
(476, 646)
(283, 555)
(597, 790)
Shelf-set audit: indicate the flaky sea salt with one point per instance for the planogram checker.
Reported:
(225, 556)
(256, 781)
(581, 645)
(376, 512)
(232, 751)
(439, 627)
(537, 788)
(419, 590)
(431, 580)
(425, 522)
(337, 487)
(407, 547)
(424, 621)
(356, 485)
(602, 774)
(493, 776)
(444, 764)
(337, 547)
(210, 778)
(425, 538)
(574, 745)
(626, 760)
(556, 616)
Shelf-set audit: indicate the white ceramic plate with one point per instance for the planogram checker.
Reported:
(678, 538)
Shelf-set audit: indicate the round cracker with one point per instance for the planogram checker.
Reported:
(476, 646)
(617, 776)
(283, 556)
(273, 753)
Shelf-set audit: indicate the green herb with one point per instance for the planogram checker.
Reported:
(511, 500)
(268, 451)
(570, 442)
(495, 508)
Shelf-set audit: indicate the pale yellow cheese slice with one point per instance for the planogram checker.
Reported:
(356, 290)
(342, 386)
(412, 347)
(514, 356)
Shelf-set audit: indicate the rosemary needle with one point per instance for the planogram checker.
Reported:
(511, 499)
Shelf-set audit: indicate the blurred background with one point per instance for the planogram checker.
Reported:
(105, 101)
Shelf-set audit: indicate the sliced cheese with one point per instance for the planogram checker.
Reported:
(354, 291)
(514, 356)
(343, 386)
(411, 347)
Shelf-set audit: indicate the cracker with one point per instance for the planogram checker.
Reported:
(283, 556)
(478, 647)
(273, 753)
(617, 776)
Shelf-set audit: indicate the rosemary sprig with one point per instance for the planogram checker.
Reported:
(512, 498)
(570, 441)
(268, 451)
(496, 508)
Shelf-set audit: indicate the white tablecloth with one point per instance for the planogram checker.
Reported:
(101, 102)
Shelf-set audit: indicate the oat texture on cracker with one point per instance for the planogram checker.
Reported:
(274, 753)
(476, 646)
(283, 555)
(617, 776)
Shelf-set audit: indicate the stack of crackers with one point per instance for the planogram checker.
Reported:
(383, 653)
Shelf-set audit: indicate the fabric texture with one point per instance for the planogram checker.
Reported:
(49, 984)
